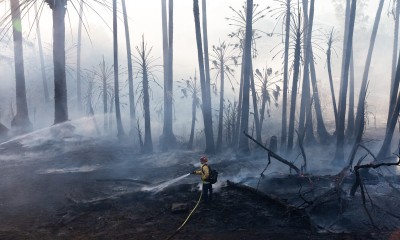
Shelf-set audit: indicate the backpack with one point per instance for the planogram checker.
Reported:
(212, 176)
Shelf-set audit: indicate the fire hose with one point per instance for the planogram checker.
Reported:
(190, 214)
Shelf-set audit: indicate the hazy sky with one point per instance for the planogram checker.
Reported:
(145, 19)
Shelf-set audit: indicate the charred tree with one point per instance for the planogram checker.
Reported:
(296, 69)
(368, 63)
(59, 8)
(244, 120)
(394, 86)
(78, 57)
(42, 67)
(321, 129)
(20, 122)
(132, 113)
(144, 62)
(116, 80)
(168, 139)
(255, 105)
(339, 155)
(206, 98)
(285, 74)
(350, 118)
(329, 65)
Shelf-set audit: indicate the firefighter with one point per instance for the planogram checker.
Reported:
(204, 171)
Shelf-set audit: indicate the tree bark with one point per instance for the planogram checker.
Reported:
(116, 80)
(285, 75)
(206, 106)
(132, 113)
(168, 139)
(350, 117)
(60, 83)
(394, 86)
(194, 107)
(221, 104)
(78, 58)
(148, 142)
(328, 62)
(243, 140)
(20, 123)
(296, 68)
(255, 105)
(368, 63)
(321, 129)
(305, 89)
(39, 38)
(339, 155)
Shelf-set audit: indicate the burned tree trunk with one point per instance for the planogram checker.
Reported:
(339, 155)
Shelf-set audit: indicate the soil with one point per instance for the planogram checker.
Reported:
(91, 189)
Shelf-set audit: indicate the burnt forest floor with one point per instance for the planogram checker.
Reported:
(61, 189)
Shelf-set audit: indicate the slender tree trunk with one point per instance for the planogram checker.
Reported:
(244, 121)
(296, 68)
(255, 106)
(168, 139)
(321, 129)
(394, 86)
(205, 42)
(350, 117)
(148, 143)
(44, 79)
(20, 122)
(78, 58)
(385, 149)
(305, 105)
(60, 83)
(221, 105)
(116, 80)
(236, 130)
(368, 62)
(285, 75)
(339, 155)
(132, 113)
(328, 62)
(104, 91)
(194, 107)
(263, 103)
(206, 107)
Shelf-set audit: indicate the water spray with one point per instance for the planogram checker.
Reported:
(165, 184)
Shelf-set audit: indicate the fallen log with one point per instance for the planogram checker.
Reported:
(269, 197)
(274, 155)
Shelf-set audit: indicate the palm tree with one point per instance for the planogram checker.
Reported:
(296, 70)
(190, 87)
(59, 8)
(270, 91)
(222, 62)
(331, 40)
(145, 64)
(206, 97)
(20, 121)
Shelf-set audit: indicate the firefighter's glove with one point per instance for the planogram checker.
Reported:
(194, 172)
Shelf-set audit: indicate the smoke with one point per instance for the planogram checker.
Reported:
(362, 16)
